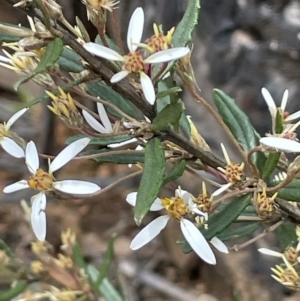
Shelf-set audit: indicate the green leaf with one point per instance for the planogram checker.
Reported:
(169, 115)
(239, 125)
(103, 141)
(239, 231)
(286, 235)
(13, 292)
(290, 192)
(108, 257)
(70, 61)
(221, 220)
(270, 165)
(105, 92)
(162, 102)
(176, 172)
(168, 92)
(8, 37)
(184, 30)
(78, 256)
(106, 289)
(50, 56)
(107, 156)
(4, 247)
(279, 122)
(152, 178)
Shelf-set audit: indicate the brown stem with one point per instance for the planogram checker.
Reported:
(206, 157)
(102, 37)
(254, 239)
(160, 72)
(116, 31)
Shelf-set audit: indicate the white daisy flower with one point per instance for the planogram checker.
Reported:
(273, 108)
(45, 182)
(280, 144)
(105, 127)
(177, 207)
(8, 144)
(134, 62)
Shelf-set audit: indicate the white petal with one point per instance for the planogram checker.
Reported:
(38, 216)
(221, 189)
(94, 123)
(219, 245)
(270, 102)
(23, 184)
(270, 252)
(197, 241)
(131, 199)
(103, 116)
(104, 52)
(68, 153)
(119, 76)
(194, 209)
(280, 144)
(76, 187)
(147, 87)
(14, 118)
(135, 29)
(32, 157)
(167, 55)
(149, 232)
(183, 194)
(114, 145)
(284, 100)
(12, 148)
(293, 116)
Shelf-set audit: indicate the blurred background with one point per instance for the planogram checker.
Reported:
(239, 47)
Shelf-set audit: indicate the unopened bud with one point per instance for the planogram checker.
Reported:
(31, 43)
(54, 10)
(63, 106)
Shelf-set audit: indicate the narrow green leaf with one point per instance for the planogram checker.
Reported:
(279, 122)
(50, 56)
(168, 92)
(290, 192)
(6, 249)
(162, 102)
(106, 289)
(107, 156)
(103, 141)
(105, 92)
(239, 231)
(108, 257)
(78, 256)
(152, 178)
(70, 61)
(176, 172)
(221, 220)
(13, 292)
(169, 115)
(239, 125)
(270, 165)
(9, 37)
(287, 236)
(184, 30)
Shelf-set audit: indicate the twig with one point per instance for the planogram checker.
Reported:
(257, 237)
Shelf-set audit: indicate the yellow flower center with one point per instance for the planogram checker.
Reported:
(175, 206)
(265, 204)
(157, 43)
(203, 202)
(134, 62)
(234, 172)
(41, 181)
(288, 276)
